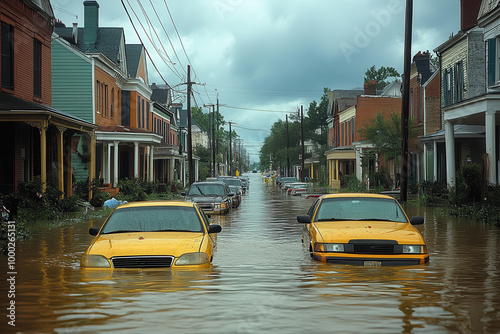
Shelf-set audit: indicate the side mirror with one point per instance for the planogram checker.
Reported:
(93, 231)
(231, 194)
(304, 219)
(416, 220)
(183, 194)
(214, 228)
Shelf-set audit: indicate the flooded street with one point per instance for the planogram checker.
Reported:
(261, 280)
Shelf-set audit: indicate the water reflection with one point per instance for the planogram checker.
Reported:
(262, 280)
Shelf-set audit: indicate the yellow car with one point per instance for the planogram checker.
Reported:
(156, 234)
(362, 229)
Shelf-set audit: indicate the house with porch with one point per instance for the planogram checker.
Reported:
(470, 94)
(36, 137)
(108, 79)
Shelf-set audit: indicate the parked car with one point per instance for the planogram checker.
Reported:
(232, 181)
(363, 229)
(212, 197)
(237, 196)
(283, 179)
(153, 234)
(298, 188)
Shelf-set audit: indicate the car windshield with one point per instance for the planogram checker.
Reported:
(152, 219)
(360, 208)
(233, 182)
(206, 190)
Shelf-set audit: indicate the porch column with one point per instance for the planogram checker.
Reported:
(435, 164)
(170, 176)
(69, 166)
(92, 161)
(449, 138)
(60, 161)
(136, 160)
(359, 168)
(43, 154)
(490, 146)
(115, 166)
(151, 177)
(108, 164)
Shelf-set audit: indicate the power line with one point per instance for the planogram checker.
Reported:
(265, 110)
(241, 127)
(145, 50)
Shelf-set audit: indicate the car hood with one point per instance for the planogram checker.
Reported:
(152, 243)
(343, 231)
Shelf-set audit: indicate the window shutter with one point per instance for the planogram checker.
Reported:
(445, 88)
(492, 50)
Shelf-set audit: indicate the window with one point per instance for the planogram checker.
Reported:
(447, 87)
(459, 82)
(492, 58)
(111, 109)
(138, 111)
(105, 90)
(98, 96)
(7, 56)
(37, 68)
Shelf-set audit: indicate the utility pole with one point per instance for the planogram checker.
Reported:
(217, 139)
(405, 111)
(189, 138)
(287, 149)
(211, 138)
(230, 153)
(302, 167)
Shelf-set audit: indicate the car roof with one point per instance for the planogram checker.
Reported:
(155, 203)
(209, 182)
(358, 195)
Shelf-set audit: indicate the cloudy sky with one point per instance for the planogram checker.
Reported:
(269, 54)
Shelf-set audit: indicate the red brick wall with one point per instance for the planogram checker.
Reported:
(28, 25)
(433, 105)
(102, 116)
(469, 10)
(368, 107)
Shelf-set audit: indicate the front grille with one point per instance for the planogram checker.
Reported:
(142, 261)
(374, 249)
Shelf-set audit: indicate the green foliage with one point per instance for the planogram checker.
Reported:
(433, 193)
(204, 164)
(98, 198)
(468, 186)
(132, 190)
(380, 75)
(353, 185)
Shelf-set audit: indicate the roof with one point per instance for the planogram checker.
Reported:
(459, 131)
(133, 52)
(43, 7)
(183, 122)
(10, 103)
(108, 41)
(488, 6)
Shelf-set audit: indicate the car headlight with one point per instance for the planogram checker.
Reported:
(320, 247)
(95, 261)
(223, 205)
(414, 249)
(192, 259)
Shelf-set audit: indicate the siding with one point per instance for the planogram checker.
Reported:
(71, 82)
(452, 56)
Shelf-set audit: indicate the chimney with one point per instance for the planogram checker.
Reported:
(74, 33)
(91, 22)
(469, 10)
(370, 88)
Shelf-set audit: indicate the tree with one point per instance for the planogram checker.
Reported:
(315, 124)
(385, 135)
(380, 75)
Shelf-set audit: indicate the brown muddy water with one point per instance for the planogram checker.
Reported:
(261, 280)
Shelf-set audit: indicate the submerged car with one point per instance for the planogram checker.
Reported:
(155, 234)
(212, 197)
(237, 196)
(362, 229)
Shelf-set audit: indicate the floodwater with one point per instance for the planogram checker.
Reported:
(261, 280)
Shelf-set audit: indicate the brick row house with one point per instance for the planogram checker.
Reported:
(36, 136)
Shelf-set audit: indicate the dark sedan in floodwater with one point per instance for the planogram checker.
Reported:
(212, 197)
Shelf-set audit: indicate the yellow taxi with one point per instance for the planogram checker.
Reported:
(362, 229)
(153, 234)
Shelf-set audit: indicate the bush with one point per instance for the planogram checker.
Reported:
(352, 184)
(132, 190)
(468, 186)
(433, 193)
(98, 198)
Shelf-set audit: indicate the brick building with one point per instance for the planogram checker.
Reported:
(36, 137)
